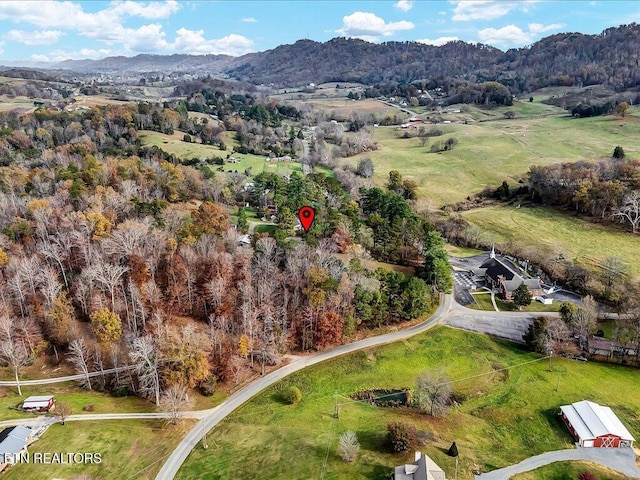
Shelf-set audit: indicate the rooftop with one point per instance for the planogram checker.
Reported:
(591, 420)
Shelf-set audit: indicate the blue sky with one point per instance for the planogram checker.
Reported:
(55, 31)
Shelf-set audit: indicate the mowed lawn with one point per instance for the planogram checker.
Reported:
(81, 401)
(493, 149)
(504, 416)
(569, 471)
(129, 449)
(583, 242)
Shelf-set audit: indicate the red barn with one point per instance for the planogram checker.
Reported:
(41, 403)
(593, 425)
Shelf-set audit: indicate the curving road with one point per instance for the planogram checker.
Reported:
(179, 455)
(509, 325)
(622, 460)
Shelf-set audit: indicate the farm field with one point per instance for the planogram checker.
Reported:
(504, 416)
(489, 152)
(129, 449)
(174, 144)
(583, 242)
(344, 106)
(569, 471)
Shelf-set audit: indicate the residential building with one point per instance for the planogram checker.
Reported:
(423, 468)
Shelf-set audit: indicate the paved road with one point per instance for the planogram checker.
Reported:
(622, 460)
(179, 455)
(68, 378)
(51, 419)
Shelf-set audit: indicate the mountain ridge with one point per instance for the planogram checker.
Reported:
(611, 57)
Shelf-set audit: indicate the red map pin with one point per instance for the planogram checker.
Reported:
(306, 216)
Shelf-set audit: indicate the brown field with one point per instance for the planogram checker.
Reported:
(344, 106)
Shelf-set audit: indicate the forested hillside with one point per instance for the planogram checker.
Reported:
(610, 58)
(112, 253)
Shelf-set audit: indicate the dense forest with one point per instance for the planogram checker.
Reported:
(610, 58)
(114, 254)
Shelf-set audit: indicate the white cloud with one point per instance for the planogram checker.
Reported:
(511, 35)
(1, 48)
(193, 41)
(84, 53)
(539, 28)
(404, 5)
(108, 27)
(249, 20)
(151, 10)
(40, 58)
(466, 10)
(370, 27)
(437, 41)
(37, 37)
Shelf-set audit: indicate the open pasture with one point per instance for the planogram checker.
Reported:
(503, 416)
(583, 242)
(498, 149)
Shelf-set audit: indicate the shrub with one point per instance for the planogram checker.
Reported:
(348, 446)
(88, 408)
(401, 436)
(208, 386)
(586, 476)
(292, 395)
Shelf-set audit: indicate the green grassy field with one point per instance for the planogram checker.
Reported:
(73, 395)
(569, 471)
(583, 242)
(137, 455)
(186, 150)
(504, 417)
(461, 252)
(492, 149)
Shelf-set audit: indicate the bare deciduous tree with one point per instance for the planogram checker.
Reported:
(79, 356)
(144, 354)
(108, 276)
(174, 401)
(63, 410)
(433, 393)
(629, 211)
(12, 350)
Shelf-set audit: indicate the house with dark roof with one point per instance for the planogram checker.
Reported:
(503, 277)
(423, 468)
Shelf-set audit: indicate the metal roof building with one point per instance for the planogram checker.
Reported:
(41, 403)
(593, 425)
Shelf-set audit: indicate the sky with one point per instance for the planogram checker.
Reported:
(59, 30)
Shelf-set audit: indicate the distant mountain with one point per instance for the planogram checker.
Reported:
(146, 63)
(611, 58)
(343, 59)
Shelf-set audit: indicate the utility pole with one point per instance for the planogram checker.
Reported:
(456, 477)
(335, 410)
(558, 384)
